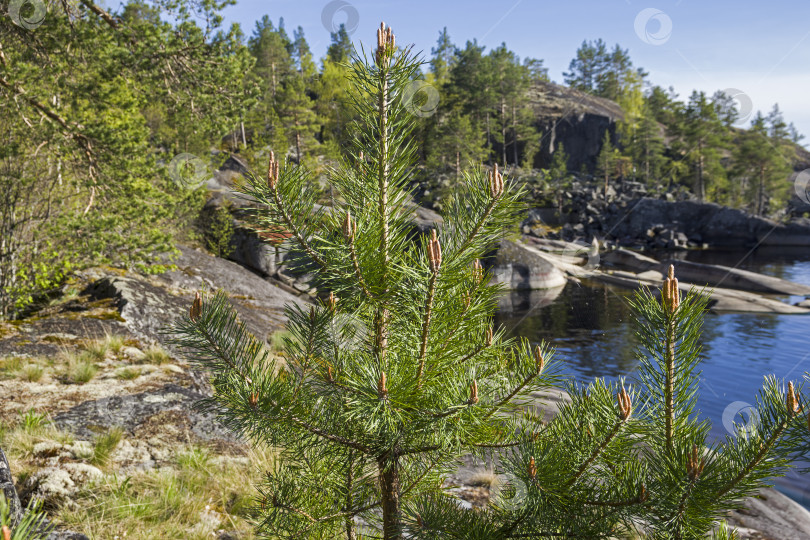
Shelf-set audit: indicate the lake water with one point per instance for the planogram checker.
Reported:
(590, 326)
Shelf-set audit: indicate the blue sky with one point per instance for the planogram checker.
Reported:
(760, 48)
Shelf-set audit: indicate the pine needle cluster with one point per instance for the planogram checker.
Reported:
(383, 386)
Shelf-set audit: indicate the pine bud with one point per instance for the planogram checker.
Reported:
(792, 399)
(532, 469)
(474, 392)
(196, 307)
(694, 464)
(466, 299)
(332, 302)
(495, 182)
(478, 271)
(643, 494)
(539, 361)
(329, 375)
(670, 294)
(6, 533)
(386, 43)
(254, 399)
(272, 172)
(382, 389)
(434, 252)
(625, 404)
(488, 336)
(349, 227)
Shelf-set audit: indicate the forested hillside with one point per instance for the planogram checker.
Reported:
(110, 117)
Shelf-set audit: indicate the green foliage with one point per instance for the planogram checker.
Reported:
(217, 230)
(31, 527)
(381, 389)
(32, 421)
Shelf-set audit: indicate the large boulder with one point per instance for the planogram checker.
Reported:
(521, 267)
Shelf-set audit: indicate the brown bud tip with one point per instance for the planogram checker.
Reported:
(474, 392)
(254, 399)
(272, 171)
(478, 271)
(434, 252)
(671, 271)
(332, 302)
(495, 182)
(792, 399)
(694, 464)
(6, 533)
(382, 389)
(532, 468)
(329, 375)
(625, 404)
(349, 227)
(539, 361)
(196, 307)
(488, 336)
(643, 494)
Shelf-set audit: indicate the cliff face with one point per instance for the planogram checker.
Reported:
(574, 119)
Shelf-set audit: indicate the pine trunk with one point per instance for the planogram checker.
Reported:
(389, 488)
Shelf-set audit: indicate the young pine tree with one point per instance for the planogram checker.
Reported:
(399, 373)
(371, 424)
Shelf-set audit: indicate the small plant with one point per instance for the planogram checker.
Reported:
(32, 372)
(81, 369)
(156, 355)
(32, 421)
(32, 526)
(128, 373)
(105, 444)
(10, 365)
(97, 349)
(114, 343)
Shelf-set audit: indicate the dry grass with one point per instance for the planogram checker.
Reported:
(198, 496)
(32, 372)
(128, 373)
(485, 479)
(80, 368)
(156, 355)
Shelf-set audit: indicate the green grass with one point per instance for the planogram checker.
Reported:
(9, 365)
(32, 421)
(128, 373)
(31, 372)
(104, 446)
(81, 369)
(156, 355)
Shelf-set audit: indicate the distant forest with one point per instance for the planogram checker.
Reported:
(97, 105)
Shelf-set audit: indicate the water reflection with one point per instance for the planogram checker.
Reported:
(589, 324)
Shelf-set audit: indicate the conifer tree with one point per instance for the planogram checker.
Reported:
(386, 383)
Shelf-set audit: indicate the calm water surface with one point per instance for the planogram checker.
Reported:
(589, 324)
